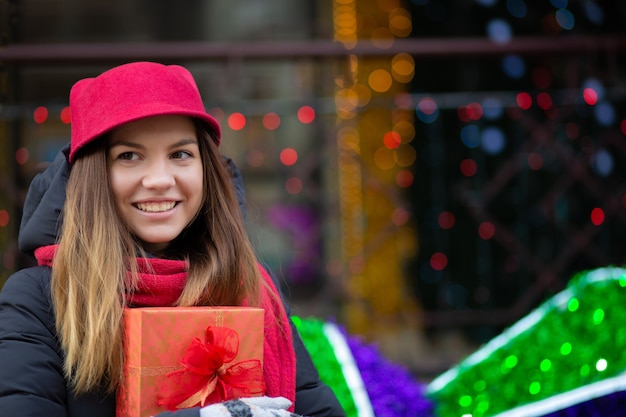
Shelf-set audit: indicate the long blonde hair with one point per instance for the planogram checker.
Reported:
(90, 269)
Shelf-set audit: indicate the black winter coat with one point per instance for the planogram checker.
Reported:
(31, 360)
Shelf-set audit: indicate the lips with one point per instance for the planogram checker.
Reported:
(156, 207)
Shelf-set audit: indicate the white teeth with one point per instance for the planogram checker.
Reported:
(156, 207)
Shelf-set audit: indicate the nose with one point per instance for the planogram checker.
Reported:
(158, 175)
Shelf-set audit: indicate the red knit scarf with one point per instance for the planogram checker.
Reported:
(161, 281)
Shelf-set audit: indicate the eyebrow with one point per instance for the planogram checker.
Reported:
(182, 142)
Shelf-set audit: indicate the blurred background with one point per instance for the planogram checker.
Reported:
(422, 172)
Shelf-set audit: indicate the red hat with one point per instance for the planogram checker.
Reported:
(131, 92)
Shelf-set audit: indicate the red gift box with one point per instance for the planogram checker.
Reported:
(180, 357)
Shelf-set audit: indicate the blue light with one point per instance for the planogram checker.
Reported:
(602, 163)
(559, 4)
(470, 136)
(499, 31)
(517, 8)
(565, 19)
(429, 117)
(604, 113)
(493, 140)
(513, 66)
(492, 108)
(594, 13)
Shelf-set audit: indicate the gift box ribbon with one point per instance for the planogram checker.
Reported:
(207, 375)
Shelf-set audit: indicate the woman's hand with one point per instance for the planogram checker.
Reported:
(252, 406)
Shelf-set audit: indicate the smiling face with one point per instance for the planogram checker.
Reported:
(156, 176)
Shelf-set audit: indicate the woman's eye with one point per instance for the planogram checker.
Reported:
(128, 156)
(181, 155)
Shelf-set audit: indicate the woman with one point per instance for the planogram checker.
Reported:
(150, 218)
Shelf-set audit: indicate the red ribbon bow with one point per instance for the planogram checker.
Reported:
(205, 378)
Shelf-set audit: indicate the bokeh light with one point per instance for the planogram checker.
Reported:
(493, 140)
(236, 121)
(405, 129)
(4, 218)
(271, 121)
(524, 100)
(513, 66)
(468, 167)
(438, 261)
(288, 156)
(427, 110)
(380, 80)
(499, 31)
(590, 96)
(446, 220)
(363, 94)
(392, 140)
(602, 163)
(541, 78)
(40, 115)
(486, 230)
(559, 4)
(346, 99)
(66, 116)
(565, 19)
(403, 100)
(492, 108)
(544, 101)
(382, 38)
(597, 216)
(217, 113)
(400, 23)
(404, 178)
(535, 161)
(306, 114)
(596, 85)
(293, 185)
(517, 8)
(470, 136)
(21, 156)
(403, 67)
(572, 130)
(255, 158)
(405, 155)
(400, 216)
(605, 113)
(593, 12)
(384, 158)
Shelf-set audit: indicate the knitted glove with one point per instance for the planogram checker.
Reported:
(250, 407)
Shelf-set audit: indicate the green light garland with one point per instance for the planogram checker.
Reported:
(574, 343)
(324, 358)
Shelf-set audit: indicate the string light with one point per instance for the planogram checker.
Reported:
(597, 216)
(288, 156)
(572, 341)
(65, 115)
(271, 121)
(40, 115)
(524, 100)
(236, 121)
(590, 96)
(21, 156)
(4, 218)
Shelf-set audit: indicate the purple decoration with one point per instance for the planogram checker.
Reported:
(393, 391)
(301, 224)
